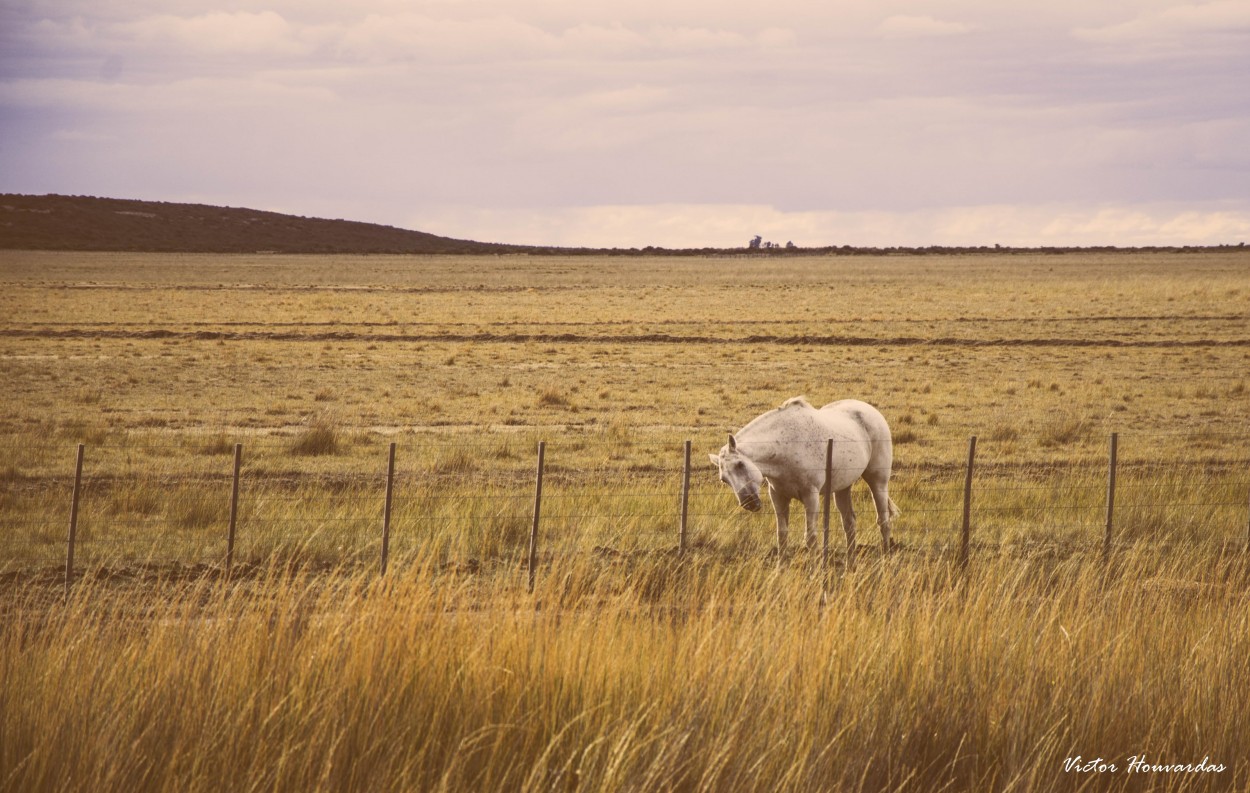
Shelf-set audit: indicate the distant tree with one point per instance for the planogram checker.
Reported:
(790, 244)
(755, 242)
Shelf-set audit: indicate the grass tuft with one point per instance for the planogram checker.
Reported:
(217, 443)
(320, 436)
(553, 398)
(1064, 429)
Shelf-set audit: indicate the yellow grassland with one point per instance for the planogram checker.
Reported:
(629, 667)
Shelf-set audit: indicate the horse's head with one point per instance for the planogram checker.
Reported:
(742, 475)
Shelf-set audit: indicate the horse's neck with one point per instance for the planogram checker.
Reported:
(762, 441)
(761, 428)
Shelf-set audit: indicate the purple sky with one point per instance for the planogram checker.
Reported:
(635, 122)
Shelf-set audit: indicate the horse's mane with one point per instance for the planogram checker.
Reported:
(763, 418)
(798, 400)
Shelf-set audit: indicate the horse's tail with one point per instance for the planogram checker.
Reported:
(894, 510)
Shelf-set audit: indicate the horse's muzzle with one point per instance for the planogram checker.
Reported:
(750, 503)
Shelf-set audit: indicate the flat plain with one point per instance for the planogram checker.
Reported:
(211, 343)
(630, 666)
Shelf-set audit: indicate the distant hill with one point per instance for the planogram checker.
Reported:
(83, 223)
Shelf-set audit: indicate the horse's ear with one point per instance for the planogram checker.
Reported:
(733, 443)
(715, 460)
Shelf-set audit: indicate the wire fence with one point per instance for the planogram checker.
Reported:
(469, 501)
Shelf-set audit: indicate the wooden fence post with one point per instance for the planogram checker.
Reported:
(386, 510)
(824, 549)
(965, 539)
(234, 507)
(1106, 540)
(73, 521)
(538, 502)
(685, 501)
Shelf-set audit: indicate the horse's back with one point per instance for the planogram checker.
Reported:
(860, 420)
(858, 417)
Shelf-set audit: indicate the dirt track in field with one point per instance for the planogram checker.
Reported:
(835, 340)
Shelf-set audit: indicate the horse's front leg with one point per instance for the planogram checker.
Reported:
(781, 506)
(811, 506)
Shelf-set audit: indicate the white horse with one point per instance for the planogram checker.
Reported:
(787, 447)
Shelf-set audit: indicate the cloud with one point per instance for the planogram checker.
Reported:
(85, 136)
(66, 35)
(1174, 22)
(603, 40)
(1192, 33)
(199, 96)
(693, 40)
(776, 38)
(1151, 225)
(902, 26)
(632, 99)
(412, 36)
(222, 32)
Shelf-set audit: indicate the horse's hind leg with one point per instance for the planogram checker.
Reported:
(843, 500)
(880, 487)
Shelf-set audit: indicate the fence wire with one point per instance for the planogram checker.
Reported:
(169, 500)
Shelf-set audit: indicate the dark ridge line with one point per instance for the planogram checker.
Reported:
(648, 338)
(629, 322)
(364, 289)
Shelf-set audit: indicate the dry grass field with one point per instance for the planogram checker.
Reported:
(630, 666)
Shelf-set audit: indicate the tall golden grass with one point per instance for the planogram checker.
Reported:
(638, 673)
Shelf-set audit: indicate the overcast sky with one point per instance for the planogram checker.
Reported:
(650, 122)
